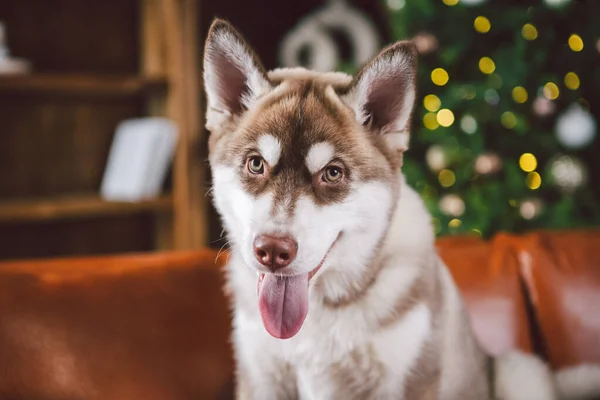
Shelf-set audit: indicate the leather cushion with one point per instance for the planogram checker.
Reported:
(562, 273)
(153, 326)
(487, 276)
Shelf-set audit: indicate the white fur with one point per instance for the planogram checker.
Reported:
(522, 377)
(397, 141)
(331, 78)
(319, 155)
(578, 383)
(270, 149)
(400, 346)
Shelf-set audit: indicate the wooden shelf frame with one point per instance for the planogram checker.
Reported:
(77, 206)
(78, 84)
(168, 82)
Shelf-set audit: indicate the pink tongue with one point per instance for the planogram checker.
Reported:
(283, 303)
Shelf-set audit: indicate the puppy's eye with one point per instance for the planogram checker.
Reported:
(256, 165)
(333, 174)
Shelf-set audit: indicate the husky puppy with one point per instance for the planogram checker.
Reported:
(338, 292)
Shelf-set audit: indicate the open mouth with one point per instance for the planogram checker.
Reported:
(283, 300)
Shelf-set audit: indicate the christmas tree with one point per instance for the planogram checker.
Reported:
(504, 132)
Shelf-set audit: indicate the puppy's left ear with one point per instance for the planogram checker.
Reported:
(383, 94)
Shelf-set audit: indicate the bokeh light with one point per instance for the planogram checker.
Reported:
(533, 180)
(575, 42)
(454, 223)
(430, 121)
(487, 65)
(551, 91)
(519, 94)
(450, 2)
(508, 120)
(446, 178)
(572, 81)
(439, 76)
(482, 24)
(529, 32)
(468, 124)
(528, 162)
(432, 102)
(445, 117)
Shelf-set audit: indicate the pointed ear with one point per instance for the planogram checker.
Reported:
(383, 93)
(233, 75)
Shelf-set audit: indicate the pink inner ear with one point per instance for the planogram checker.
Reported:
(230, 81)
(385, 100)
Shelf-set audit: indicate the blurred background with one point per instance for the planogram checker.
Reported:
(103, 150)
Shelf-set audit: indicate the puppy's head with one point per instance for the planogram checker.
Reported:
(305, 167)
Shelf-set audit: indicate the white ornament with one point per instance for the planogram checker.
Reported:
(425, 42)
(568, 173)
(488, 163)
(556, 3)
(436, 158)
(576, 127)
(8, 64)
(323, 53)
(530, 208)
(543, 107)
(491, 96)
(396, 5)
(468, 124)
(452, 205)
(472, 2)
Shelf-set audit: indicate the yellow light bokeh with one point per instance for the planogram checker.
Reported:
(454, 223)
(439, 76)
(430, 121)
(450, 2)
(508, 120)
(519, 94)
(575, 42)
(533, 180)
(551, 91)
(572, 81)
(432, 102)
(528, 162)
(446, 178)
(482, 24)
(487, 65)
(529, 32)
(445, 117)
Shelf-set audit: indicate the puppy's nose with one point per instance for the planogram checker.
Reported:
(275, 252)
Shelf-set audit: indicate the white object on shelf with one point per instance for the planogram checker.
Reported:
(139, 159)
(10, 65)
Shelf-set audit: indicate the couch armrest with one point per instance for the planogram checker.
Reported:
(562, 274)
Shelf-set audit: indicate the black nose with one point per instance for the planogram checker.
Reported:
(275, 252)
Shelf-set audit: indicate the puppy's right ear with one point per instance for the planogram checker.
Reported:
(233, 75)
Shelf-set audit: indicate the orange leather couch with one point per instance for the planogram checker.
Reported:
(156, 326)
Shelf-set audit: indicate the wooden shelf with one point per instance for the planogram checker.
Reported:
(78, 84)
(76, 206)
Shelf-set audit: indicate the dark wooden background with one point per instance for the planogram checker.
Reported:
(55, 144)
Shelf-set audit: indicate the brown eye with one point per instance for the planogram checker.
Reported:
(256, 165)
(332, 174)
